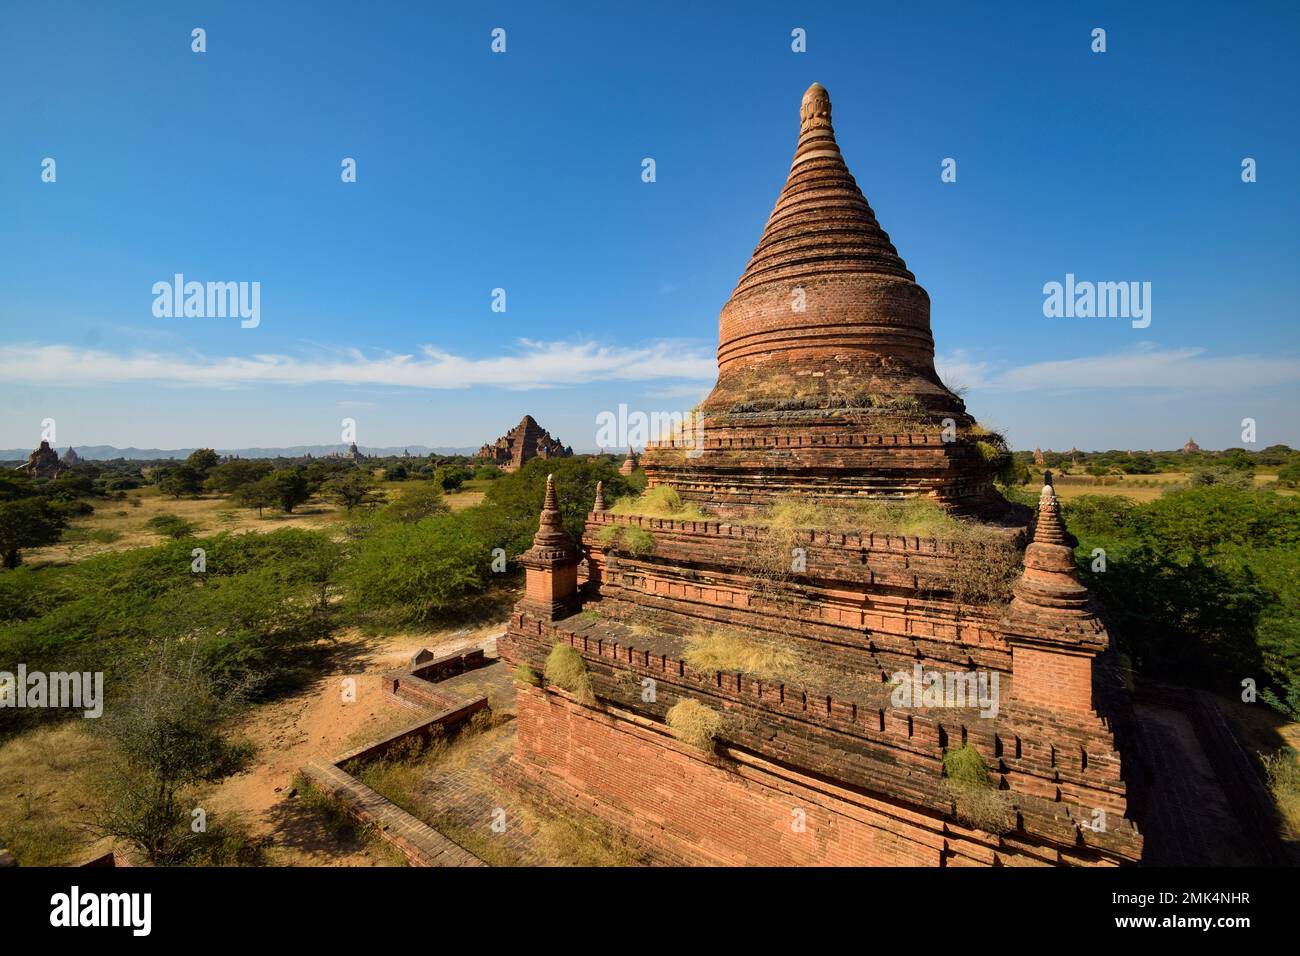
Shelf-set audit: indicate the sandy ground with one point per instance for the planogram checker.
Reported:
(49, 785)
(319, 723)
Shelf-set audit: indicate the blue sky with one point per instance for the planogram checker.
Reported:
(522, 171)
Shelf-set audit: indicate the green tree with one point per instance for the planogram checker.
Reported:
(291, 488)
(180, 481)
(450, 477)
(416, 504)
(258, 494)
(353, 489)
(409, 573)
(203, 460)
(229, 476)
(1289, 474)
(27, 523)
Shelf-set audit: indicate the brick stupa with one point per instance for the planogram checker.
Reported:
(826, 381)
(816, 758)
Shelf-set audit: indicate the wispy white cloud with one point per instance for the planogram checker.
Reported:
(1147, 367)
(531, 365)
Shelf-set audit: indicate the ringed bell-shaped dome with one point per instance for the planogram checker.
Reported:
(825, 292)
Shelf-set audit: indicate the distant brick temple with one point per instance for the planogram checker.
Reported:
(42, 463)
(1191, 448)
(827, 396)
(523, 443)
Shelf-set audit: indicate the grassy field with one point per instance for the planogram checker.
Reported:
(1136, 487)
(120, 525)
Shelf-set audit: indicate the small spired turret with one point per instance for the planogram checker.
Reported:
(600, 497)
(1051, 625)
(551, 564)
(630, 463)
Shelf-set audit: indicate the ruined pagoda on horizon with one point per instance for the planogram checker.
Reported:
(826, 399)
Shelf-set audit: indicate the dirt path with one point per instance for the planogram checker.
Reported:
(318, 722)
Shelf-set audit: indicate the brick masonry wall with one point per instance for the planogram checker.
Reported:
(735, 809)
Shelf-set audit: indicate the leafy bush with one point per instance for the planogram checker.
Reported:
(171, 526)
(257, 613)
(416, 504)
(412, 573)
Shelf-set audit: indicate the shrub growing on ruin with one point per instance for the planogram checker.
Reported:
(694, 723)
(566, 669)
(963, 766)
(662, 501)
(526, 675)
(978, 802)
(630, 540)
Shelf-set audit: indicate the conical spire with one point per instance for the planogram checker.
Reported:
(550, 530)
(1049, 590)
(822, 224)
(1050, 529)
(825, 294)
(600, 497)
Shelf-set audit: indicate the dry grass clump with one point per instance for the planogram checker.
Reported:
(1283, 773)
(661, 501)
(695, 724)
(630, 540)
(722, 651)
(566, 669)
(979, 803)
(917, 517)
(563, 842)
(526, 675)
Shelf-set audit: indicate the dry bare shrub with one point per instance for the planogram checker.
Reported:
(695, 724)
(982, 808)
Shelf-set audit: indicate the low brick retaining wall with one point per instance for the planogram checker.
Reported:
(412, 686)
(418, 842)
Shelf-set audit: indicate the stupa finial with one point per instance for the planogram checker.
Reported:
(815, 110)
